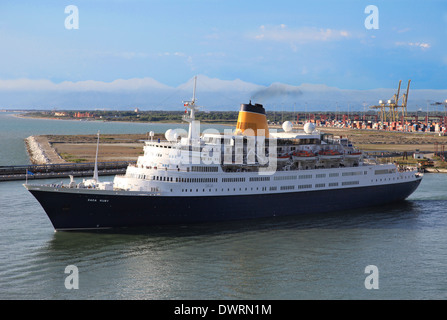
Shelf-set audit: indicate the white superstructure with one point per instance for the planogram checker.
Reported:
(215, 164)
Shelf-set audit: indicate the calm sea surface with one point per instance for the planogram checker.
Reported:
(313, 257)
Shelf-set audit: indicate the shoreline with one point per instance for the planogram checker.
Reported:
(22, 116)
(435, 170)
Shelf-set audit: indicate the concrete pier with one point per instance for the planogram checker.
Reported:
(62, 170)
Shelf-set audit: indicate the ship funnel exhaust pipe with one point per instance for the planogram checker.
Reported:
(252, 117)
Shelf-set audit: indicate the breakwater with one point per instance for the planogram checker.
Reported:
(41, 152)
(61, 170)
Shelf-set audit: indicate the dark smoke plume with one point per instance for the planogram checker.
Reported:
(278, 92)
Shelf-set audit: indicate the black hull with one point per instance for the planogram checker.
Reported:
(72, 211)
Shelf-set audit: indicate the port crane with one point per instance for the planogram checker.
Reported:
(390, 110)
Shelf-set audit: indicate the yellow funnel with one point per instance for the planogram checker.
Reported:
(252, 117)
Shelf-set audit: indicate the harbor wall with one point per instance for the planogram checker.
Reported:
(435, 170)
(32, 172)
(41, 152)
(36, 153)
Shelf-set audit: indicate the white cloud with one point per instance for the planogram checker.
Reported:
(130, 55)
(26, 84)
(403, 30)
(82, 86)
(422, 45)
(127, 55)
(213, 36)
(282, 33)
(175, 54)
(212, 92)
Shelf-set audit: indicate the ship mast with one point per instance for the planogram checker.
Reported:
(194, 131)
(95, 171)
(194, 91)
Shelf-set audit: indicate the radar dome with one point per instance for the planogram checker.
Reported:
(169, 134)
(309, 127)
(287, 126)
(174, 134)
(181, 133)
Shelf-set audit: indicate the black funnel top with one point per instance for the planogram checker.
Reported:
(256, 108)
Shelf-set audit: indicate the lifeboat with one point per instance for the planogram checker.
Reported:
(353, 155)
(283, 158)
(329, 155)
(304, 155)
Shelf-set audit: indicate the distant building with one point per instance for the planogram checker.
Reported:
(83, 115)
(137, 110)
(418, 155)
(60, 114)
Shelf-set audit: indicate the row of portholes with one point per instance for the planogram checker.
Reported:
(389, 179)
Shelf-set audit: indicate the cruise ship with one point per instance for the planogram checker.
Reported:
(248, 172)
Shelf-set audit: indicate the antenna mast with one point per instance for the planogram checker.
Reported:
(95, 172)
(194, 130)
(194, 91)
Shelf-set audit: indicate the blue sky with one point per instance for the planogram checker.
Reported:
(262, 42)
